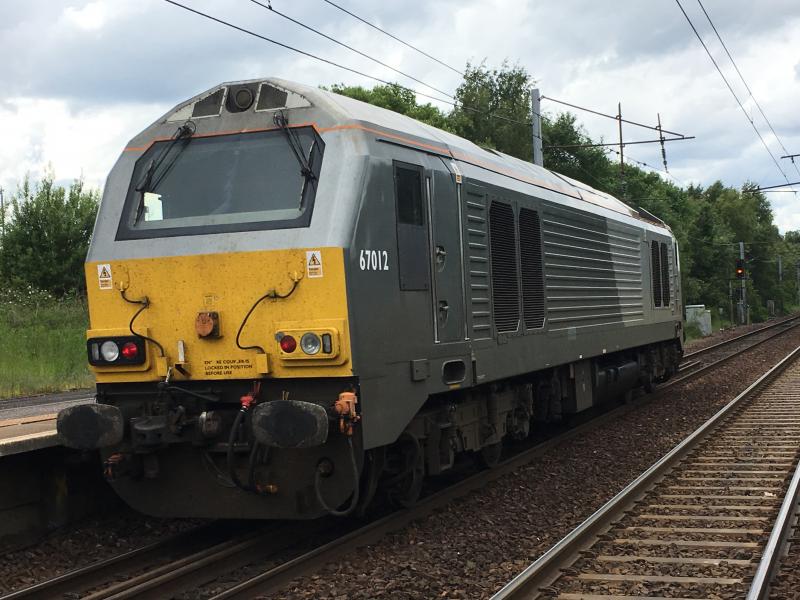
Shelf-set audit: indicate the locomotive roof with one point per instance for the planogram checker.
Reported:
(345, 112)
(355, 110)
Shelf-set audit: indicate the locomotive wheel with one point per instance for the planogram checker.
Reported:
(649, 385)
(489, 455)
(406, 471)
(373, 466)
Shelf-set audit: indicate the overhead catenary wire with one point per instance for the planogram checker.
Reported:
(747, 87)
(607, 116)
(629, 158)
(731, 90)
(268, 6)
(393, 84)
(589, 110)
(603, 144)
(299, 51)
(394, 37)
(772, 187)
(454, 104)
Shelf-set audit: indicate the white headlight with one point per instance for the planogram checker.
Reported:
(310, 343)
(110, 351)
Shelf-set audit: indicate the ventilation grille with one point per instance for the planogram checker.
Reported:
(210, 106)
(530, 244)
(665, 291)
(505, 287)
(593, 270)
(271, 97)
(478, 263)
(655, 263)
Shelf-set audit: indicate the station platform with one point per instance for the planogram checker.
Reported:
(29, 423)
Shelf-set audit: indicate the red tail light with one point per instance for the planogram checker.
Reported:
(130, 351)
(288, 344)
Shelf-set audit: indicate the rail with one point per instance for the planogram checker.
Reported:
(557, 562)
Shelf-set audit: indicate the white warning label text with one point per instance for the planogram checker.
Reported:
(104, 276)
(314, 263)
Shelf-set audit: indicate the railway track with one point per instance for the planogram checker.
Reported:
(182, 564)
(697, 524)
(777, 324)
(80, 582)
(700, 361)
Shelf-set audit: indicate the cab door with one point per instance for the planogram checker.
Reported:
(447, 276)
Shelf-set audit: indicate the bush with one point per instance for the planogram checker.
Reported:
(46, 237)
(692, 332)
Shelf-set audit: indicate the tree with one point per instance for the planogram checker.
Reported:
(493, 110)
(590, 165)
(47, 235)
(395, 98)
(493, 107)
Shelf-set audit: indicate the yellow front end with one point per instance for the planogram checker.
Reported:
(182, 288)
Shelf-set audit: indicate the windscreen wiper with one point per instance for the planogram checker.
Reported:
(297, 147)
(146, 183)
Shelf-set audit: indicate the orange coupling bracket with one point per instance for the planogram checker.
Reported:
(345, 407)
(249, 399)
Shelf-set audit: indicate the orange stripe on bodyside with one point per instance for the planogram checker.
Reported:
(464, 157)
(218, 133)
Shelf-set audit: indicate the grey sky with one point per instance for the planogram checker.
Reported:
(82, 77)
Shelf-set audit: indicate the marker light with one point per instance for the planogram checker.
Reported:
(110, 351)
(288, 344)
(130, 351)
(310, 343)
(327, 343)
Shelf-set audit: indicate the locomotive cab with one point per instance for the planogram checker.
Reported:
(219, 332)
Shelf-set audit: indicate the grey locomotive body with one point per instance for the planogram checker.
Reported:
(481, 294)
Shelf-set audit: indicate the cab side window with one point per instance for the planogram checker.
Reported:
(412, 239)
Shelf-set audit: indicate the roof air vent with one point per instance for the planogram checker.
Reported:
(240, 98)
(271, 97)
(210, 106)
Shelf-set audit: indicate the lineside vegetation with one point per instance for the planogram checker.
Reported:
(43, 315)
(42, 342)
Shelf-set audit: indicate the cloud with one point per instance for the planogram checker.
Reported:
(38, 132)
(101, 70)
(91, 17)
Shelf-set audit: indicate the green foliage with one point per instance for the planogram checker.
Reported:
(692, 332)
(398, 99)
(490, 105)
(590, 165)
(43, 342)
(46, 236)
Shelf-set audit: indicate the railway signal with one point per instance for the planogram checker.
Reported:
(740, 268)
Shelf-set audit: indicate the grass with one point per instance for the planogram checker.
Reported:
(42, 344)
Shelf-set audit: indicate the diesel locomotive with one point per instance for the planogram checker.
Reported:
(298, 299)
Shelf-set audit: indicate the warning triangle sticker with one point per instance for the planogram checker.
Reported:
(313, 261)
(104, 273)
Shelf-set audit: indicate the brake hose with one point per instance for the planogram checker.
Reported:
(234, 477)
(356, 486)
